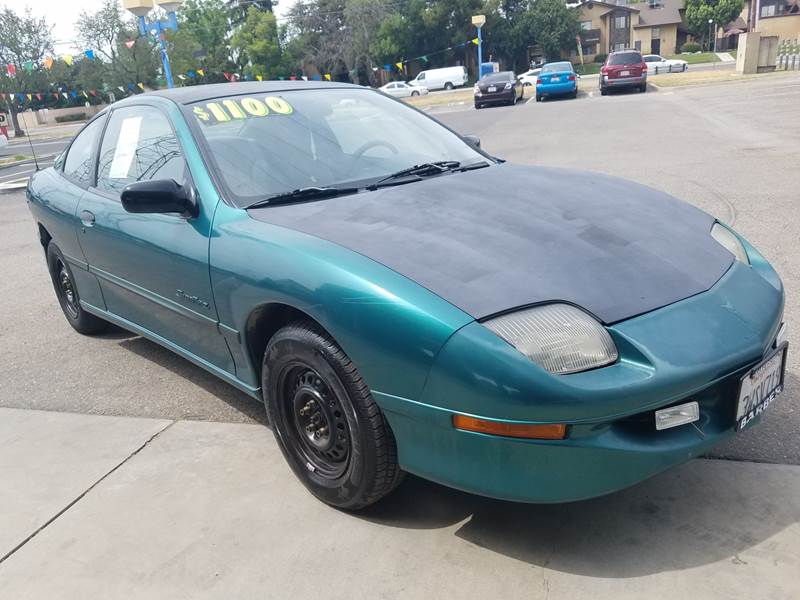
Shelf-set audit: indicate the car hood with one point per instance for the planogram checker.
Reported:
(507, 236)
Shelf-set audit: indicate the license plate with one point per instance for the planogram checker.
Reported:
(759, 387)
(555, 79)
(492, 88)
(624, 73)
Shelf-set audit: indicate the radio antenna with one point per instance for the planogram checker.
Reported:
(30, 142)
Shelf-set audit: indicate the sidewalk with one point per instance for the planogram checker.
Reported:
(145, 508)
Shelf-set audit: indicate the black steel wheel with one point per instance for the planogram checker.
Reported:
(329, 428)
(67, 294)
(318, 426)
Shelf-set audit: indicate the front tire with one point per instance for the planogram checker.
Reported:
(414, 93)
(329, 428)
(67, 294)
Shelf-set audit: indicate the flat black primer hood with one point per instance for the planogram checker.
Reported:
(508, 236)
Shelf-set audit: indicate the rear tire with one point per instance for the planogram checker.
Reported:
(448, 86)
(574, 94)
(329, 428)
(603, 92)
(643, 88)
(538, 98)
(67, 294)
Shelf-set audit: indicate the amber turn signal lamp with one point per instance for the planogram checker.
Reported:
(550, 431)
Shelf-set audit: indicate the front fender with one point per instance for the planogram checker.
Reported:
(389, 326)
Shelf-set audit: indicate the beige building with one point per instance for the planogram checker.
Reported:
(777, 17)
(654, 27)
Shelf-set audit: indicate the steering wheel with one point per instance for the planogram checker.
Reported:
(359, 152)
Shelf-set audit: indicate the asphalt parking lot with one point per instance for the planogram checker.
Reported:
(727, 149)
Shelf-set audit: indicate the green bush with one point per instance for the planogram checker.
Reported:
(73, 117)
(690, 47)
(600, 58)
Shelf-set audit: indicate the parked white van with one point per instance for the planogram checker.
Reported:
(445, 78)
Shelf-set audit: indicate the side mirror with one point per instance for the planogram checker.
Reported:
(159, 196)
(472, 140)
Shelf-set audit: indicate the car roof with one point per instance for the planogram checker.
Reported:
(625, 50)
(196, 93)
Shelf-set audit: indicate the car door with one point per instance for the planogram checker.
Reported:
(152, 268)
(403, 90)
(76, 168)
(392, 90)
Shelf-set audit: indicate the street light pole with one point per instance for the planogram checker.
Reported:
(478, 21)
(710, 22)
(157, 28)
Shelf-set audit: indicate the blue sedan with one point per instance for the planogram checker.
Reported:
(557, 79)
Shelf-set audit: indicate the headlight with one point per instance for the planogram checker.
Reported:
(558, 337)
(730, 242)
(508, 86)
(476, 88)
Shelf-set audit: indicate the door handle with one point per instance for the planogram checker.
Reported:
(87, 218)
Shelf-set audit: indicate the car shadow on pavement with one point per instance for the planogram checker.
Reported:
(702, 512)
(189, 371)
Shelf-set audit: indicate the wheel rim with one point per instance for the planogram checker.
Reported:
(316, 422)
(66, 290)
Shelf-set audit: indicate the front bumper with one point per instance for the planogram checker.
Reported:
(695, 349)
(492, 97)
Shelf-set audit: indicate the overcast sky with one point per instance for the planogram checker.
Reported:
(63, 13)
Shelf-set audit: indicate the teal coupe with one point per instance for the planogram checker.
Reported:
(402, 301)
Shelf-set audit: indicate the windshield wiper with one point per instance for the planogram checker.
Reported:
(306, 193)
(472, 166)
(415, 173)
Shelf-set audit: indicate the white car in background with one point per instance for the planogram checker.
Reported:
(529, 77)
(399, 89)
(658, 64)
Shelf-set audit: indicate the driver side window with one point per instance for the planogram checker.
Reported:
(139, 145)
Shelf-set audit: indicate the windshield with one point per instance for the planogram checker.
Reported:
(267, 144)
(555, 67)
(625, 58)
(501, 76)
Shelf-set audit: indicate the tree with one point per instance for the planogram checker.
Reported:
(256, 41)
(240, 8)
(24, 42)
(106, 32)
(202, 39)
(319, 35)
(553, 25)
(698, 12)
(363, 19)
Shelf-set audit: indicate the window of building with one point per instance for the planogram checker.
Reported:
(138, 145)
(621, 22)
(586, 25)
(768, 10)
(589, 49)
(655, 33)
(618, 47)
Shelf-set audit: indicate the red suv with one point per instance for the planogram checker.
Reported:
(623, 69)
